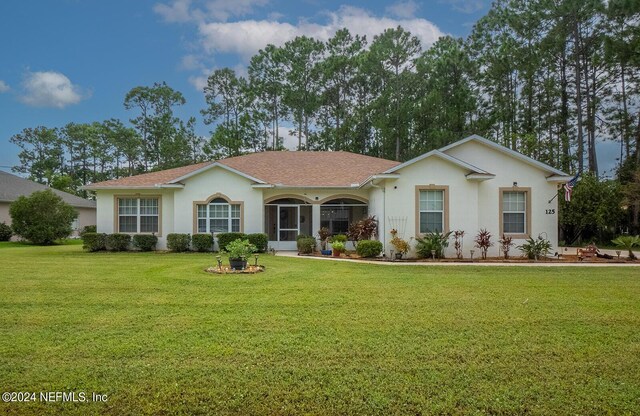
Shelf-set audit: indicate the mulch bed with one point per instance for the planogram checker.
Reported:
(564, 258)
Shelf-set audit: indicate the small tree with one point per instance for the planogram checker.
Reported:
(42, 218)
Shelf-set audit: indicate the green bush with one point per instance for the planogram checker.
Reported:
(260, 240)
(369, 248)
(338, 238)
(94, 241)
(432, 241)
(118, 242)
(240, 249)
(225, 238)
(5, 232)
(202, 242)
(145, 242)
(42, 218)
(338, 247)
(627, 242)
(178, 242)
(534, 249)
(306, 245)
(88, 229)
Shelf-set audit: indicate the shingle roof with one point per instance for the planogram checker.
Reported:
(325, 169)
(303, 169)
(12, 187)
(150, 179)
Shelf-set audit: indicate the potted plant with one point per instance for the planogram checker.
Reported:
(401, 246)
(338, 248)
(238, 251)
(324, 234)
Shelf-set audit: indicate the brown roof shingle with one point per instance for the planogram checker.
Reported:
(309, 168)
(150, 179)
(304, 169)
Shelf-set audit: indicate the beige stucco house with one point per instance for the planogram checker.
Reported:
(471, 184)
(12, 187)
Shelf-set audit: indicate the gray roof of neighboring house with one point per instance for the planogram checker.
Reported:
(12, 187)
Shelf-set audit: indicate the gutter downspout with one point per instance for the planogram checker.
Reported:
(384, 209)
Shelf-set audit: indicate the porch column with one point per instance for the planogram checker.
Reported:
(315, 219)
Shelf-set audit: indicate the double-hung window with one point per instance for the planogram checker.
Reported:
(514, 212)
(431, 210)
(219, 216)
(138, 215)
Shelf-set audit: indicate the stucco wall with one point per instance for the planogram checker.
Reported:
(509, 170)
(4, 212)
(105, 218)
(400, 199)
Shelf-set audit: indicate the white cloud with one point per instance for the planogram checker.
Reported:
(3, 87)
(246, 37)
(50, 89)
(190, 63)
(177, 11)
(219, 10)
(403, 9)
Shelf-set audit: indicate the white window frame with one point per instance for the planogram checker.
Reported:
(229, 217)
(523, 212)
(138, 215)
(427, 211)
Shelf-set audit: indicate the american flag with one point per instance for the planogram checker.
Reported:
(568, 188)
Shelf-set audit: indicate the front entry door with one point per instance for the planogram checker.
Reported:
(288, 226)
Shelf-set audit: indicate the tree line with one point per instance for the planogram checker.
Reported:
(548, 78)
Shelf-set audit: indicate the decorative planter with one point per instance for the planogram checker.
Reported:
(398, 256)
(336, 253)
(238, 264)
(325, 252)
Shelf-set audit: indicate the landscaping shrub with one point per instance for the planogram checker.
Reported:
(88, 229)
(535, 248)
(260, 240)
(627, 242)
(118, 242)
(202, 242)
(42, 218)
(145, 242)
(226, 238)
(338, 238)
(178, 242)
(306, 245)
(483, 242)
(432, 241)
(365, 229)
(5, 232)
(94, 241)
(369, 248)
(301, 236)
(240, 249)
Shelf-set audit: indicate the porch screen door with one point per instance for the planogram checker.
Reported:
(288, 222)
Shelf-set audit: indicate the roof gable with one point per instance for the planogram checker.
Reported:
(505, 150)
(437, 153)
(12, 187)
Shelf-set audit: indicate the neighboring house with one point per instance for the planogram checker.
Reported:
(12, 187)
(471, 184)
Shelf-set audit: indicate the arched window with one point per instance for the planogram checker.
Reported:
(219, 216)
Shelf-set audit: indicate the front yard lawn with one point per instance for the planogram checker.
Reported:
(158, 335)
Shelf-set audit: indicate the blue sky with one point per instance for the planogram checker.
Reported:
(74, 60)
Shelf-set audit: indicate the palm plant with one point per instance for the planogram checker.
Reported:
(627, 242)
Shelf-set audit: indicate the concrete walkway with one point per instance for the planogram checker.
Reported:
(542, 263)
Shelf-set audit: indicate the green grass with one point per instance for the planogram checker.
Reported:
(159, 336)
